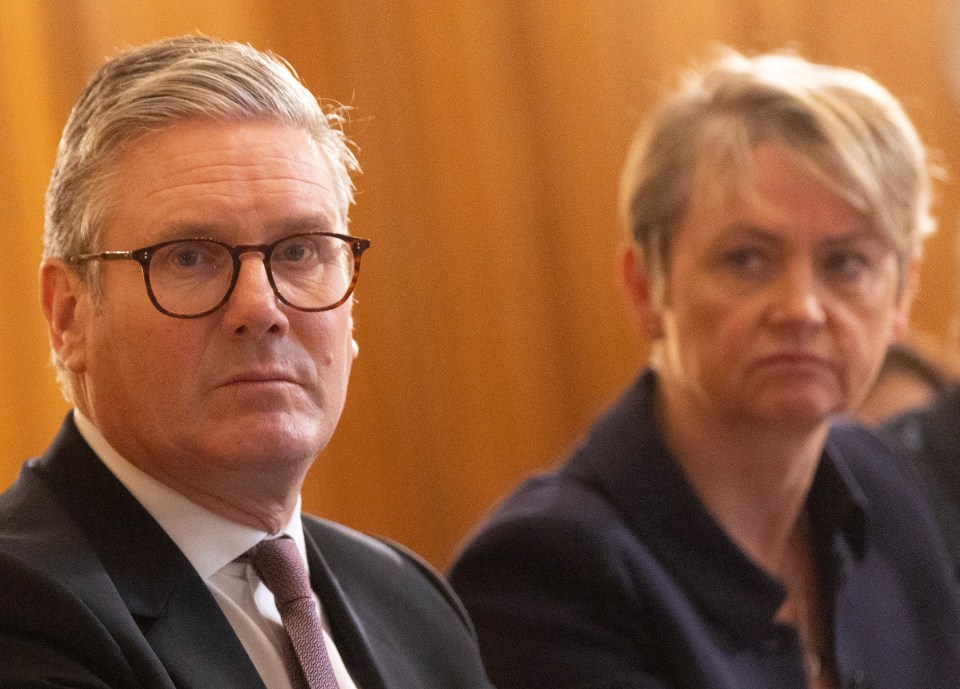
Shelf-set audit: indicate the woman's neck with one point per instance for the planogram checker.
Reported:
(753, 480)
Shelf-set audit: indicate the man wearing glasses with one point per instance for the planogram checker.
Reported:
(197, 282)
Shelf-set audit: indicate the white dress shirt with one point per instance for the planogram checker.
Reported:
(212, 544)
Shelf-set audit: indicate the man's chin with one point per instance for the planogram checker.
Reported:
(265, 439)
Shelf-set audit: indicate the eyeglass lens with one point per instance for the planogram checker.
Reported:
(309, 272)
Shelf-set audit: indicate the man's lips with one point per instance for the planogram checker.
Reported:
(260, 377)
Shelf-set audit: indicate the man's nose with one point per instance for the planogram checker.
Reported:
(253, 306)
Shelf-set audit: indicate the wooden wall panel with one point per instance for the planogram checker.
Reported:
(491, 133)
(29, 402)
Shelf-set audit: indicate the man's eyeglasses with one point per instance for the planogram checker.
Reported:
(191, 278)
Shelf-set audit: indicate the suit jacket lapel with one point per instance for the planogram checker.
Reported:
(197, 644)
(169, 601)
(350, 634)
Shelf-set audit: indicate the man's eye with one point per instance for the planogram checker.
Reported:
(294, 252)
(191, 257)
(303, 250)
(186, 258)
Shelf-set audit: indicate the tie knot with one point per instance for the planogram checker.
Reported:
(280, 566)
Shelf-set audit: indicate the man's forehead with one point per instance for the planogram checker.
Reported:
(204, 141)
(203, 175)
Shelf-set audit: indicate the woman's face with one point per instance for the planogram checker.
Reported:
(778, 305)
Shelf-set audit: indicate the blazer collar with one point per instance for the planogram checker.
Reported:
(625, 458)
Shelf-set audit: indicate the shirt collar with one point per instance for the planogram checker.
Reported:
(208, 540)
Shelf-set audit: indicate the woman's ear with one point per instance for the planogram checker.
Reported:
(65, 300)
(640, 292)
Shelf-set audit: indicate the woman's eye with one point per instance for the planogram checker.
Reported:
(746, 261)
(845, 265)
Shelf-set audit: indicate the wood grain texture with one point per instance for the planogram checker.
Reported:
(492, 133)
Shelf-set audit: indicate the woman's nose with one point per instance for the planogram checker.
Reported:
(798, 298)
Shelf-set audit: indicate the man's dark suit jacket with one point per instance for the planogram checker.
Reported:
(609, 573)
(93, 593)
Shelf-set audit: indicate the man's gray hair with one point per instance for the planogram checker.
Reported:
(154, 86)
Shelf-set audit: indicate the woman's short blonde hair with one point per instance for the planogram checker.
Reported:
(838, 124)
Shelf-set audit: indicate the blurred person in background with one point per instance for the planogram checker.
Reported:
(197, 280)
(715, 529)
(925, 429)
(910, 377)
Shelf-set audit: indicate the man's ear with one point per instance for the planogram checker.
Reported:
(65, 300)
(911, 282)
(354, 347)
(639, 291)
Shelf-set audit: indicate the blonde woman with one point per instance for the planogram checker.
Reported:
(715, 530)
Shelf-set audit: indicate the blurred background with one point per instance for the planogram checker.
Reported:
(491, 133)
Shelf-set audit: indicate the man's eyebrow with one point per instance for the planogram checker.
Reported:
(213, 230)
(309, 223)
(185, 230)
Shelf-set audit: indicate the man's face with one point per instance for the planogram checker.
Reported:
(254, 389)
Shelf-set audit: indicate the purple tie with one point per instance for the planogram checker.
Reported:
(280, 567)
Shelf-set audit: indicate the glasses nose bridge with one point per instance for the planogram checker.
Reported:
(239, 251)
(265, 250)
